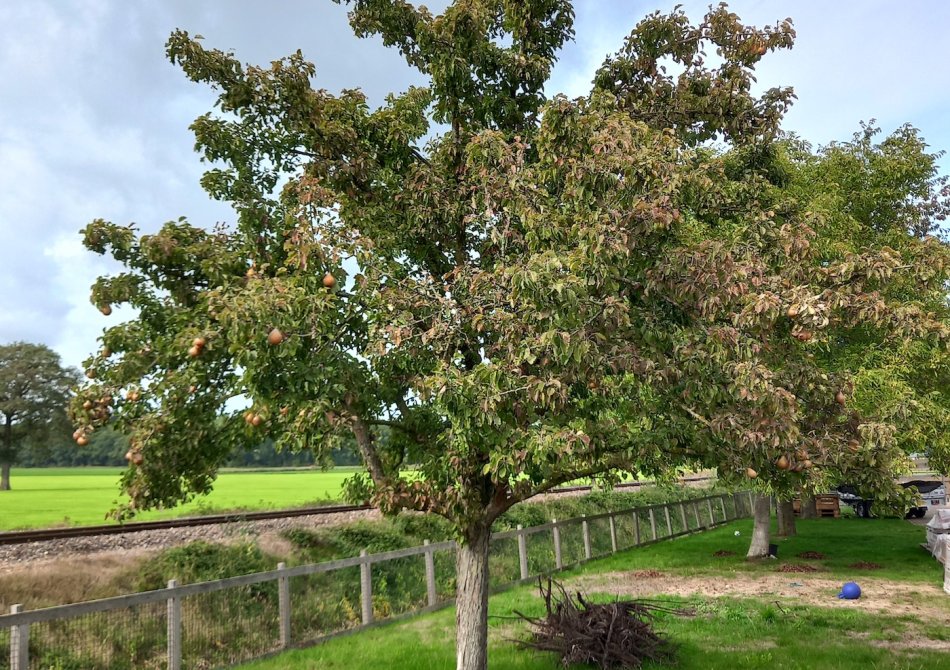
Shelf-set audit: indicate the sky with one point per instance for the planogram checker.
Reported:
(94, 119)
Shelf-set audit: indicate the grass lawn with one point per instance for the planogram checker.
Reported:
(82, 496)
(749, 615)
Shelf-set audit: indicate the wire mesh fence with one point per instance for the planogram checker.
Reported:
(444, 575)
(230, 621)
(540, 550)
(128, 638)
(226, 627)
(599, 536)
(324, 603)
(625, 532)
(399, 586)
(503, 562)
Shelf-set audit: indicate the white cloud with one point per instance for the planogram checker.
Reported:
(852, 61)
(94, 120)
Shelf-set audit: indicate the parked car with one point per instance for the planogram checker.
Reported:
(932, 494)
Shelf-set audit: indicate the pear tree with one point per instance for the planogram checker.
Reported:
(518, 290)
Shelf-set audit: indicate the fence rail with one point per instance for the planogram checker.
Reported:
(172, 628)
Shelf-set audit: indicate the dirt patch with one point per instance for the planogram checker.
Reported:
(909, 641)
(865, 565)
(723, 552)
(275, 544)
(648, 574)
(751, 646)
(796, 567)
(917, 599)
(811, 555)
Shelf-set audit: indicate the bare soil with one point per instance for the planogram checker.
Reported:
(865, 565)
(796, 567)
(908, 640)
(877, 595)
(648, 574)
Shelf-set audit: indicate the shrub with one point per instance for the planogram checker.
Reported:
(199, 562)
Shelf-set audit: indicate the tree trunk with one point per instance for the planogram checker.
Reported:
(471, 620)
(759, 548)
(809, 511)
(786, 518)
(7, 452)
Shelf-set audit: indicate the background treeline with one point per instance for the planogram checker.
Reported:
(108, 447)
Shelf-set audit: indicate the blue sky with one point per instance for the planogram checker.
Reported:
(94, 120)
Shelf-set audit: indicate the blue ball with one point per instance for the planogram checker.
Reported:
(850, 591)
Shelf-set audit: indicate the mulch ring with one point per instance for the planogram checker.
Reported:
(796, 567)
(724, 552)
(648, 574)
(866, 565)
(812, 555)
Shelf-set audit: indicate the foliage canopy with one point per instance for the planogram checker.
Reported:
(523, 290)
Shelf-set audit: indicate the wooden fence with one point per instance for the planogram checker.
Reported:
(600, 535)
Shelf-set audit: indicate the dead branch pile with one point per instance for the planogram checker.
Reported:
(797, 567)
(608, 635)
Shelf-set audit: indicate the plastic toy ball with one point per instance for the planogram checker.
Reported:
(737, 533)
(850, 591)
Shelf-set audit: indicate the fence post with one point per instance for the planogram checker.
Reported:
(636, 528)
(430, 575)
(366, 589)
(652, 524)
(695, 507)
(283, 605)
(174, 628)
(683, 516)
(522, 553)
(712, 519)
(585, 529)
(752, 503)
(669, 523)
(613, 533)
(556, 534)
(722, 506)
(19, 643)
(946, 565)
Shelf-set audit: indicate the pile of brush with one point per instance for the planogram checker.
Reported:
(607, 635)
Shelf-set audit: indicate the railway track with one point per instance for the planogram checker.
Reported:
(45, 534)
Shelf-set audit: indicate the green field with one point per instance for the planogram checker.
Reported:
(82, 496)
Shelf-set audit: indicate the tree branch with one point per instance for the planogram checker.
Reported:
(365, 444)
(500, 506)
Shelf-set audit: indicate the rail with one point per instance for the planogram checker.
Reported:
(47, 534)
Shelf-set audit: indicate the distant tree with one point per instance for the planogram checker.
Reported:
(34, 393)
(105, 447)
